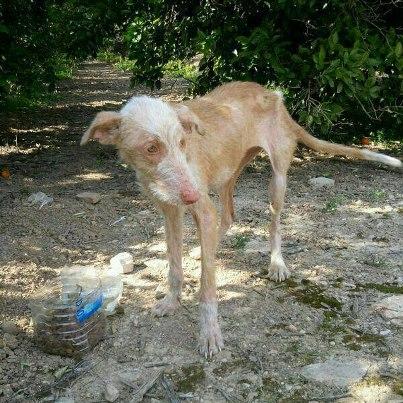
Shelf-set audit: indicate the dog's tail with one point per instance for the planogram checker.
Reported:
(337, 149)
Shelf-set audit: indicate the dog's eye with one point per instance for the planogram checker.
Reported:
(152, 149)
(182, 143)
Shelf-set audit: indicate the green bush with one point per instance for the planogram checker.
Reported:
(340, 63)
(41, 40)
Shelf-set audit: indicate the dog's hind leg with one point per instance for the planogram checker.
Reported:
(280, 155)
(227, 192)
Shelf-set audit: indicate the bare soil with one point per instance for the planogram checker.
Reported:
(342, 244)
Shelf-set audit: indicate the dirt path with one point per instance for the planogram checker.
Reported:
(343, 245)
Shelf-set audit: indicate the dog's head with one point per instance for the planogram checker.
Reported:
(152, 137)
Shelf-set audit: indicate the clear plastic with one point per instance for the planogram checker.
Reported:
(67, 315)
(112, 288)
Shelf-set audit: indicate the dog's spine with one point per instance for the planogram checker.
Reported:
(338, 149)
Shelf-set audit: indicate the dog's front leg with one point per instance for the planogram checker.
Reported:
(205, 216)
(174, 239)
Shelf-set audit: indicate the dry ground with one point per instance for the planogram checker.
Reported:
(342, 244)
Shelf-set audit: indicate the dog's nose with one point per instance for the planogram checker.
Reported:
(190, 196)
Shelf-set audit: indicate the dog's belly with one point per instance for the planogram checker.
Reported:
(223, 176)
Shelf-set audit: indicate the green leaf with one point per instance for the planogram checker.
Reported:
(398, 49)
(321, 56)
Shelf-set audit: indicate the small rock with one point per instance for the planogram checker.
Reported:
(321, 182)
(391, 308)
(195, 253)
(111, 392)
(156, 264)
(385, 332)
(292, 328)
(257, 246)
(40, 198)
(160, 292)
(90, 197)
(10, 341)
(336, 373)
(10, 327)
(123, 262)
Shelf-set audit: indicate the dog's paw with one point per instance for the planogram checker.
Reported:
(210, 341)
(166, 306)
(278, 272)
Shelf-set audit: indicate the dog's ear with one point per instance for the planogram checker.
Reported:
(189, 120)
(104, 128)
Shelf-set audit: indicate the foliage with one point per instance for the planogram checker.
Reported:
(339, 62)
(40, 40)
(181, 69)
(120, 62)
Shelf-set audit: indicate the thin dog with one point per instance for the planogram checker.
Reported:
(182, 151)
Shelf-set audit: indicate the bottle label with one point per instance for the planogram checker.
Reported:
(89, 309)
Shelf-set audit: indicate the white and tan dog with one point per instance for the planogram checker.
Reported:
(182, 151)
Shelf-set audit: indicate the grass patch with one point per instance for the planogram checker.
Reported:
(333, 203)
(314, 296)
(191, 376)
(332, 323)
(120, 62)
(181, 69)
(376, 261)
(240, 241)
(377, 194)
(397, 387)
(36, 99)
(227, 367)
(386, 288)
(64, 66)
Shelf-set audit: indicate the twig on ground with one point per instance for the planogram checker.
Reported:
(170, 393)
(146, 386)
(230, 397)
(156, 364)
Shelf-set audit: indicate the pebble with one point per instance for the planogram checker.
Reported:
(156, 264)
(111, 392)
(257, 246)
(89, 197)
(292, 328)
(10, 327)
(123, 262)
(321, 182)
(386, 332)
(195, 253)
(10, 341)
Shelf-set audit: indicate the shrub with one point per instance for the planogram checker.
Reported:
(339, 62)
